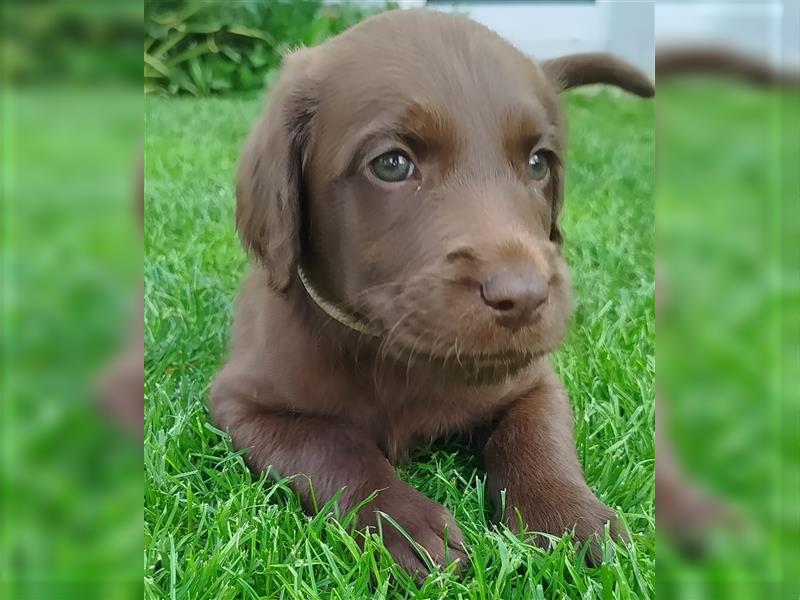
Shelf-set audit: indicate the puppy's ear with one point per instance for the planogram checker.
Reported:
(270, 179)
(576, 70)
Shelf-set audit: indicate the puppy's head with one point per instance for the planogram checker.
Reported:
(414, 167)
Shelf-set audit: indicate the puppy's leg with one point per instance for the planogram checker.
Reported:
(531, 454)
(686, 513)
(326, 456)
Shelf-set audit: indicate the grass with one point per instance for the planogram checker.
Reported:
(70, 484)
(727, 227)
(213, 531)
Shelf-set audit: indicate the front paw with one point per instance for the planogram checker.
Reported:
(433, 529)
(561, 508)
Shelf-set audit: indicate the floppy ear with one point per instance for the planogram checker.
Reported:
(269, 187)
(576, 70)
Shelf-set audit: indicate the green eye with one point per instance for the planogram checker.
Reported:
(537, 166)
(392, 166)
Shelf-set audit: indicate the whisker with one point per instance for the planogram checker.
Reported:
(394, 329)
(451, 348)
(386, 343)
(357, 300)
(458, 354)
(410, 357)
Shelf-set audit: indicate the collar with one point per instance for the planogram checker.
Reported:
(349, 320)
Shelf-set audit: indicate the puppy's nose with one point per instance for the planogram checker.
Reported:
(515, 295)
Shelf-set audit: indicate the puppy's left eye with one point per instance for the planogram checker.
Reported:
(538, 166)
(392, 166)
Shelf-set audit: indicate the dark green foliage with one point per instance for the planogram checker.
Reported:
(203, 48)
(82, 42)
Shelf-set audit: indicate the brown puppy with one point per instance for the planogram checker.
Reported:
(401, 197)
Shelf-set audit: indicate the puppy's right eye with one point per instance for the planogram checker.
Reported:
(538, 166)
(392, 166)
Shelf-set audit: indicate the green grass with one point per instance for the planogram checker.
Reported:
(70, 482)
(727, 227)
(213, 531)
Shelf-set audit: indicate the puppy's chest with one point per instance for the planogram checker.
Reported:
(416, 419)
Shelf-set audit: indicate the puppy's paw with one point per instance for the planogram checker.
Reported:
(437, 540)
(687, 515)
(119, 391)
(568, 508)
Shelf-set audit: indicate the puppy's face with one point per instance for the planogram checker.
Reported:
(433, 197)
(429, 161)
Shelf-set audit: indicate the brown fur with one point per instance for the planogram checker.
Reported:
(336, 408)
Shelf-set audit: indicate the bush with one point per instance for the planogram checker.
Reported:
(48, 42)
(202, 48)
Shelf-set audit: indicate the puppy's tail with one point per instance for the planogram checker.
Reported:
(723, 62)
(575, 70)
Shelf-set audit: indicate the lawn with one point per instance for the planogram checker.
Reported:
(214, 531)
(728, 331)
(70, 481)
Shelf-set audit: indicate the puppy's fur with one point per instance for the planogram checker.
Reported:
(337, 408)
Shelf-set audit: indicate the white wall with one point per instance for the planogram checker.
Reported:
(624, 27)
(762, 28)
(631, 28)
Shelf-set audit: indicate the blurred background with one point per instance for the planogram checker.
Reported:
(728, 217)
(727, 458)
(71, 127)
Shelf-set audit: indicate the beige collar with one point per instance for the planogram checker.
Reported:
(334, 312)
